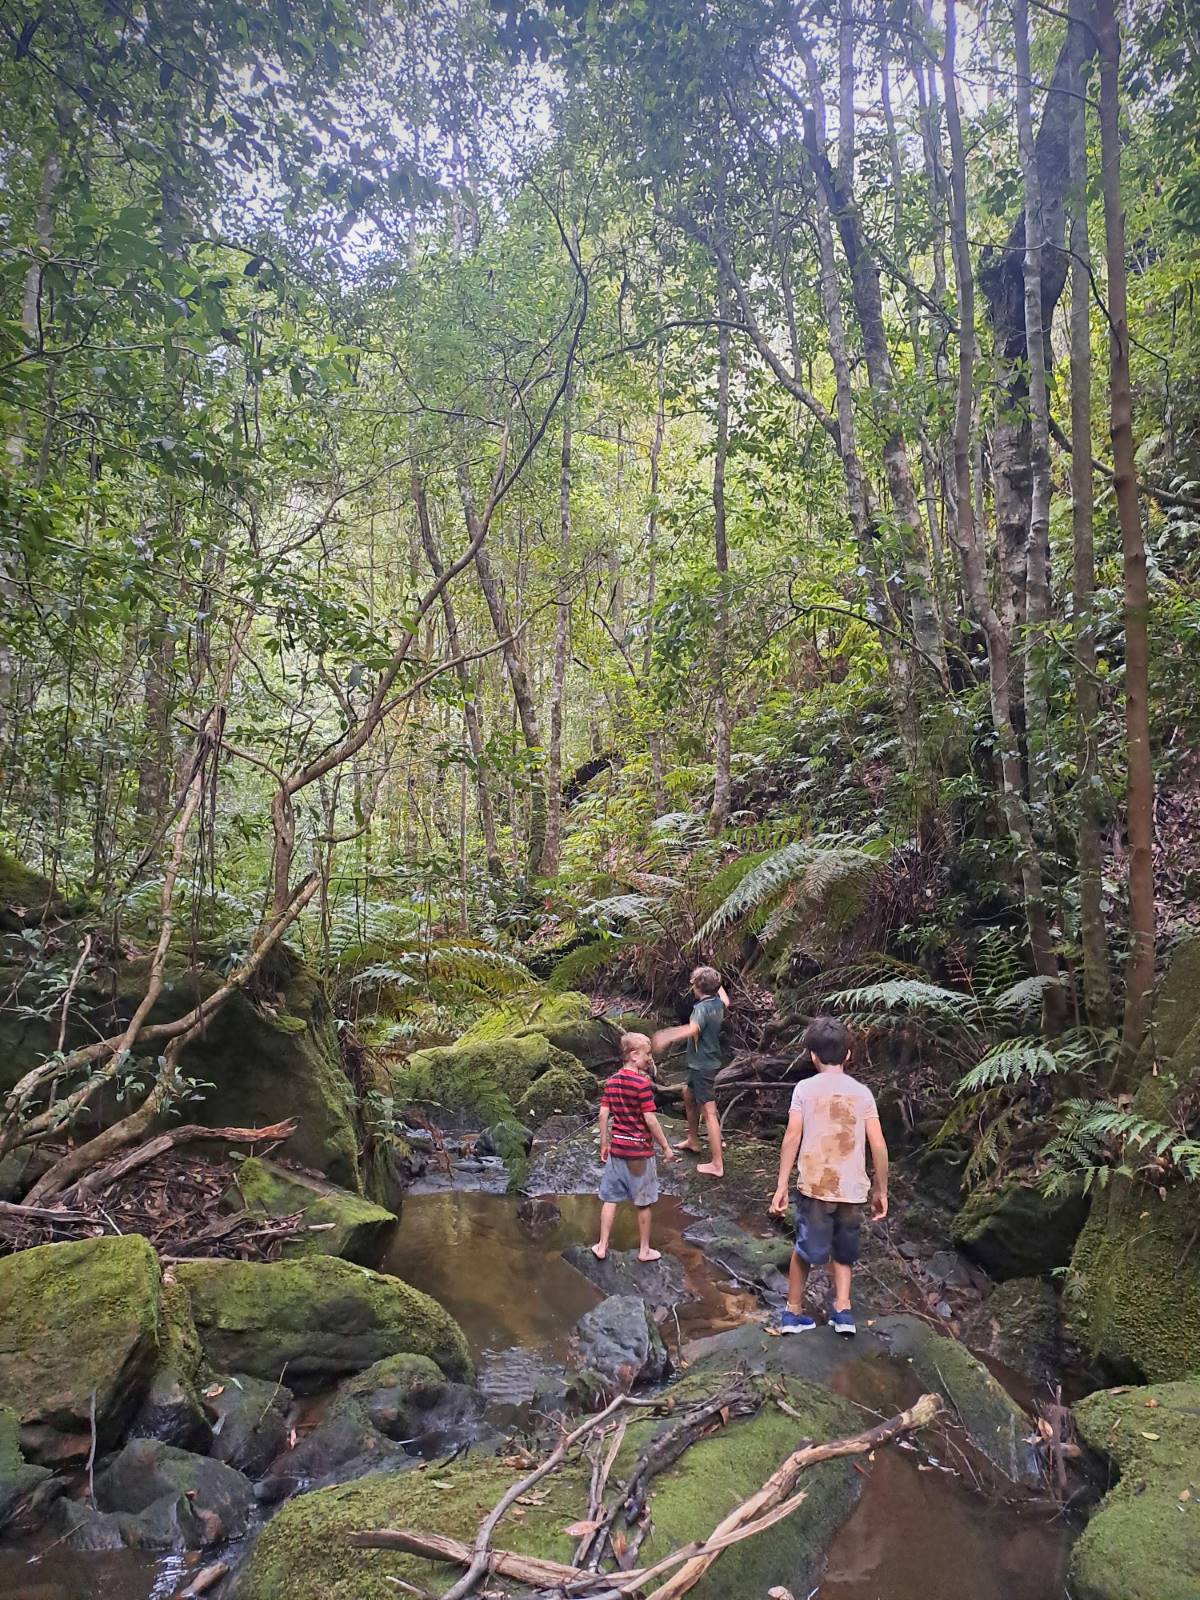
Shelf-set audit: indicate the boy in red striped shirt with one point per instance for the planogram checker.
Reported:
(629, 1131)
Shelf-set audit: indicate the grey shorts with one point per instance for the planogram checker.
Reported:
(827, 1228)
(618, 1182)
(703, 1085)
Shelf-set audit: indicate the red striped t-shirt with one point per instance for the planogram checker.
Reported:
(628, 1096)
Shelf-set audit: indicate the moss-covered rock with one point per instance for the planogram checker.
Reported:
(991, 1419)
(78, 1319)
(25, 1490)
(314, 1319)
(24, 894)
(595, 1041)
(1133, 1293)
(173, 1410)
(348, 1225)
(147, 1471)
(563, 1090)
(1144, 1541)
(484, 1079)
(1018, 1232)
(303, 1553)
(251, 1427)
(1020, 1324)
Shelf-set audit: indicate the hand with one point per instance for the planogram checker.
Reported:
(604, 1153)
(668, 1154)
(779, 1201)
(658, 1041)
(878, 1204)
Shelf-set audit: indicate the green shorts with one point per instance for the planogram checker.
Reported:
(703, 1086)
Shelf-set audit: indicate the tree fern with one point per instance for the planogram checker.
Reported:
(808, 872)
(1014, 1061)
(1094, 1140)
(913, 997)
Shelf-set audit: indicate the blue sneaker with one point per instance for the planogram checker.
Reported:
(843, 1322)
(794, 1322)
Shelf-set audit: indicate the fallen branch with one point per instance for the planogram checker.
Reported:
(20, 1213)
(103, 1177)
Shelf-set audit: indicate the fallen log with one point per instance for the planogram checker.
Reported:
(777, 1499)
(20, 1213)
(104, 1177)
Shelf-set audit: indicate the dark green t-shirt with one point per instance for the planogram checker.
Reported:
(704, 1053)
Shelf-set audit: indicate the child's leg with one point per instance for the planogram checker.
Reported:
(714, 1167)
(608, 1212)
(692, 1142)
(797, 1283)
(841, 1285)
(644, 1251)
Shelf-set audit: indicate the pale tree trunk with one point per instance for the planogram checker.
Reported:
(654, 737)
(562, 617)
(518, 677)
(722, 738)
(1037, 550)
(471, 718)
(974, 564)
(1140, 790)
(1097, 974)
(156, 776)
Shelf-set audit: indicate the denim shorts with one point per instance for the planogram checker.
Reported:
(703, 1085)
(618, 1182)
(827, 1229)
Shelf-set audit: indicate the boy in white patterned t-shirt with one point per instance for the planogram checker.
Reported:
(832, 1122)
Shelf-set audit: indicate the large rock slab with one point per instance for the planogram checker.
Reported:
(310, 1321)
(658, 1283)
(564, 1090)
(303, 1553)
(78, 1319)
(619, 1345)
(1144, 1541)
(1020, 1324)
(1017, 1232)
(343, 1223)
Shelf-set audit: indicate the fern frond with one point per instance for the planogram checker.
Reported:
(809, 871)
(1023, 995)
(1011, 1061)
(911, 996)
(579, 965)
(631, 913)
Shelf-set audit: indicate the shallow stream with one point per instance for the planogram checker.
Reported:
(917, 1533)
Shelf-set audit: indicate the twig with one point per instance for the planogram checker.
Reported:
(91, 1460)
(85, 950)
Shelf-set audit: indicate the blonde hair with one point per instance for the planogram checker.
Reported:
(631, 1041)
(706, 979)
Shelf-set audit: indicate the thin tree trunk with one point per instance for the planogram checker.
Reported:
(471, 719)
(550, 853)
(1140, 791)
(1037, 550)
(1097, 974)
(654, 737)
(721, 754)
(974, 565)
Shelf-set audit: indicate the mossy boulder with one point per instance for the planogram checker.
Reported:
(1020, 1324)
(563, 1090)
(346, 1225)
(1133, 1293)
(991, 1419)
(25, 895)
(483, 1079)
(315, 1319)
(147, 1471)
(25, 1490)
(78, 1319)
(1144, 1541)
(173, 1410)
(251, 1421)
(1016, 1231)
(303, 1552)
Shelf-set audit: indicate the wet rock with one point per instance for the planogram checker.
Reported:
(303, 1553)
(1018, 1232)
(504, 1139)
(562, 1091)
(173, 1409)
(948, 1267)
(155, 1497)
(26, 1491)
(991, 1419)
(565, 1159)
(1019, 1324)
(618, 1343)
(520, 1377)
(314, 1319)
(755, 1260)
(1144, 1541)
(78, 1319)
(658, 1283)
(538, 1216)
(251, 1422)
(349, 1226)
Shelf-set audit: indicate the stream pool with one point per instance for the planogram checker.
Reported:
(917, 1533)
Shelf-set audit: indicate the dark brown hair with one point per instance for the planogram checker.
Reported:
(828, 1039)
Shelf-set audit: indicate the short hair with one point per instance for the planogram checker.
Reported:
(706, 979)
(630, 1042)
(828, 1039)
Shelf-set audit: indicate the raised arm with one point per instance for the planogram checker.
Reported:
(669, 1036)
(723, 997)
(788, 1152)
(877, 1145)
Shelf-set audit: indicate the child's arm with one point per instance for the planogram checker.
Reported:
(655, 1130)
(723, 997)
(879, 1163)
(669, 1036)
(788, 1152)
(604, 1141)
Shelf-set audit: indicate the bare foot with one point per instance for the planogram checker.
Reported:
(711, 1170)
(686, 1144)
(598, 1253)
(649, 1255)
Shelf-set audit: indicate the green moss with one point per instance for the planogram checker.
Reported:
(562, 1090)
(303, 1554)
(350, 1226)
(23, 892)
(311, 1320)
(77, 1318)
(1144, 1541)
(1016, 1231)
(483, 1079)
(23, 1488)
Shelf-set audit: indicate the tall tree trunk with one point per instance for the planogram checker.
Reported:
(156, 777)
(654, 737)
(722, 740)
(971, 554)
(1037, 551)
(471, 719)
(550, 853)
(1097, 975)
(1140, 791)
(518, 677)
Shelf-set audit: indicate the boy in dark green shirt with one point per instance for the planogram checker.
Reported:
(703, 1035)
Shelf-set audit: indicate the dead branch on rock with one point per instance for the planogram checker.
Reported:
(103, 1177)
(777, 1499)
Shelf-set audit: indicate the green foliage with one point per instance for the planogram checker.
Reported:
(799, 881)
(1094, 1139)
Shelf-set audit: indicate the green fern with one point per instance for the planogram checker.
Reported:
(1014, 1061)
(794, 882)
(579, 966)
(913, 997)
(1095, 1139)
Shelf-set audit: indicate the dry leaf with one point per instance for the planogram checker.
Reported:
(532, 1499)
(724, 1413)
(440, 1483)
(581, 1530)
(515, 1512)
(1152, 1405)
(213, 1390)
(1184, 1496)
(1150, 1435)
